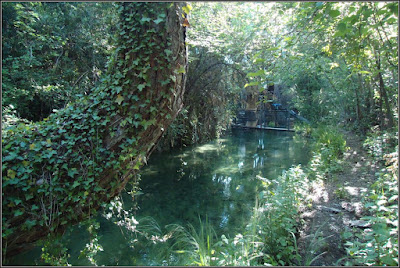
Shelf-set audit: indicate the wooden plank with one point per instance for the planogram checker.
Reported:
(263, 128)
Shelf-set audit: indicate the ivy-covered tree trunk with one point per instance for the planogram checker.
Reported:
(60, 171)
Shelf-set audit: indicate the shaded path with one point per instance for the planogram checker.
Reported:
(336, 207)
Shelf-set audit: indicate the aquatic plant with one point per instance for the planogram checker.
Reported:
(197, 245)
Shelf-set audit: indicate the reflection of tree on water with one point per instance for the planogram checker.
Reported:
(216, 180)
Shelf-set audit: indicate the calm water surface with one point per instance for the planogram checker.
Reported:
(216, 181)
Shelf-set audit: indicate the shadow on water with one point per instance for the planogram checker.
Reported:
(214, 180)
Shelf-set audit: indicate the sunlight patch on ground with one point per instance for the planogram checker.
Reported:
(319, 193)
(355, 191)
(356, 207)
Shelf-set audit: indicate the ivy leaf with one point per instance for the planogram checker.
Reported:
(30, 223)
(165, 82)
(167, 52)
(11, 173)
(119, 99)
(76, 183)
(181, 70)
(32, 146)
(18, 213)
(141, 87)
(136, 62)
(72, 172)
(137, 165)
(145, 19)
(157, 21)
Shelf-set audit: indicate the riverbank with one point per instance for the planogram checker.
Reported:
(337, 207)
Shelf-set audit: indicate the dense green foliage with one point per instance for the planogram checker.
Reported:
(53, 53)
(60, 170)
(339, 61)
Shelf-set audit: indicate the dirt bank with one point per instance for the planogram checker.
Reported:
(336, 207)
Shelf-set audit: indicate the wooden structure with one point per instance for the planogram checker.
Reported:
(260, 111)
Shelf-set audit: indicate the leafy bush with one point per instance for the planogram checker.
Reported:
(281, 202)
(303, 129)
(329, 148)
(380, 143)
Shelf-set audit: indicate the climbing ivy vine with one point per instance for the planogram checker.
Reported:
(59, 171)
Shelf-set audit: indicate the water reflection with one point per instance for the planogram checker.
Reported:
(214, 180)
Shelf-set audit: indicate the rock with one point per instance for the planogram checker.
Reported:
(359, 224)
(329, 209)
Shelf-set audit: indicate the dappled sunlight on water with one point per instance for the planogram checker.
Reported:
(214, 181)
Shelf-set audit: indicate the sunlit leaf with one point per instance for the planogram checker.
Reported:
(255, 83)
(258, 73)
(181, 70)
(119, 99)
(11, 173)
(187, 9)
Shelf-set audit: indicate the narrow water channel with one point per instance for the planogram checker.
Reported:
(214, 181)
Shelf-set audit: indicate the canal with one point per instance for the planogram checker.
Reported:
(214, 182)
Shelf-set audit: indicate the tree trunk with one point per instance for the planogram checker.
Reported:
(383, 94)
(358, 105)
(59, 172)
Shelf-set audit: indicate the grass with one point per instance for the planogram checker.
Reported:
(316, 243)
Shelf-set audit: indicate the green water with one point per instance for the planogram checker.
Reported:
(216, 181)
